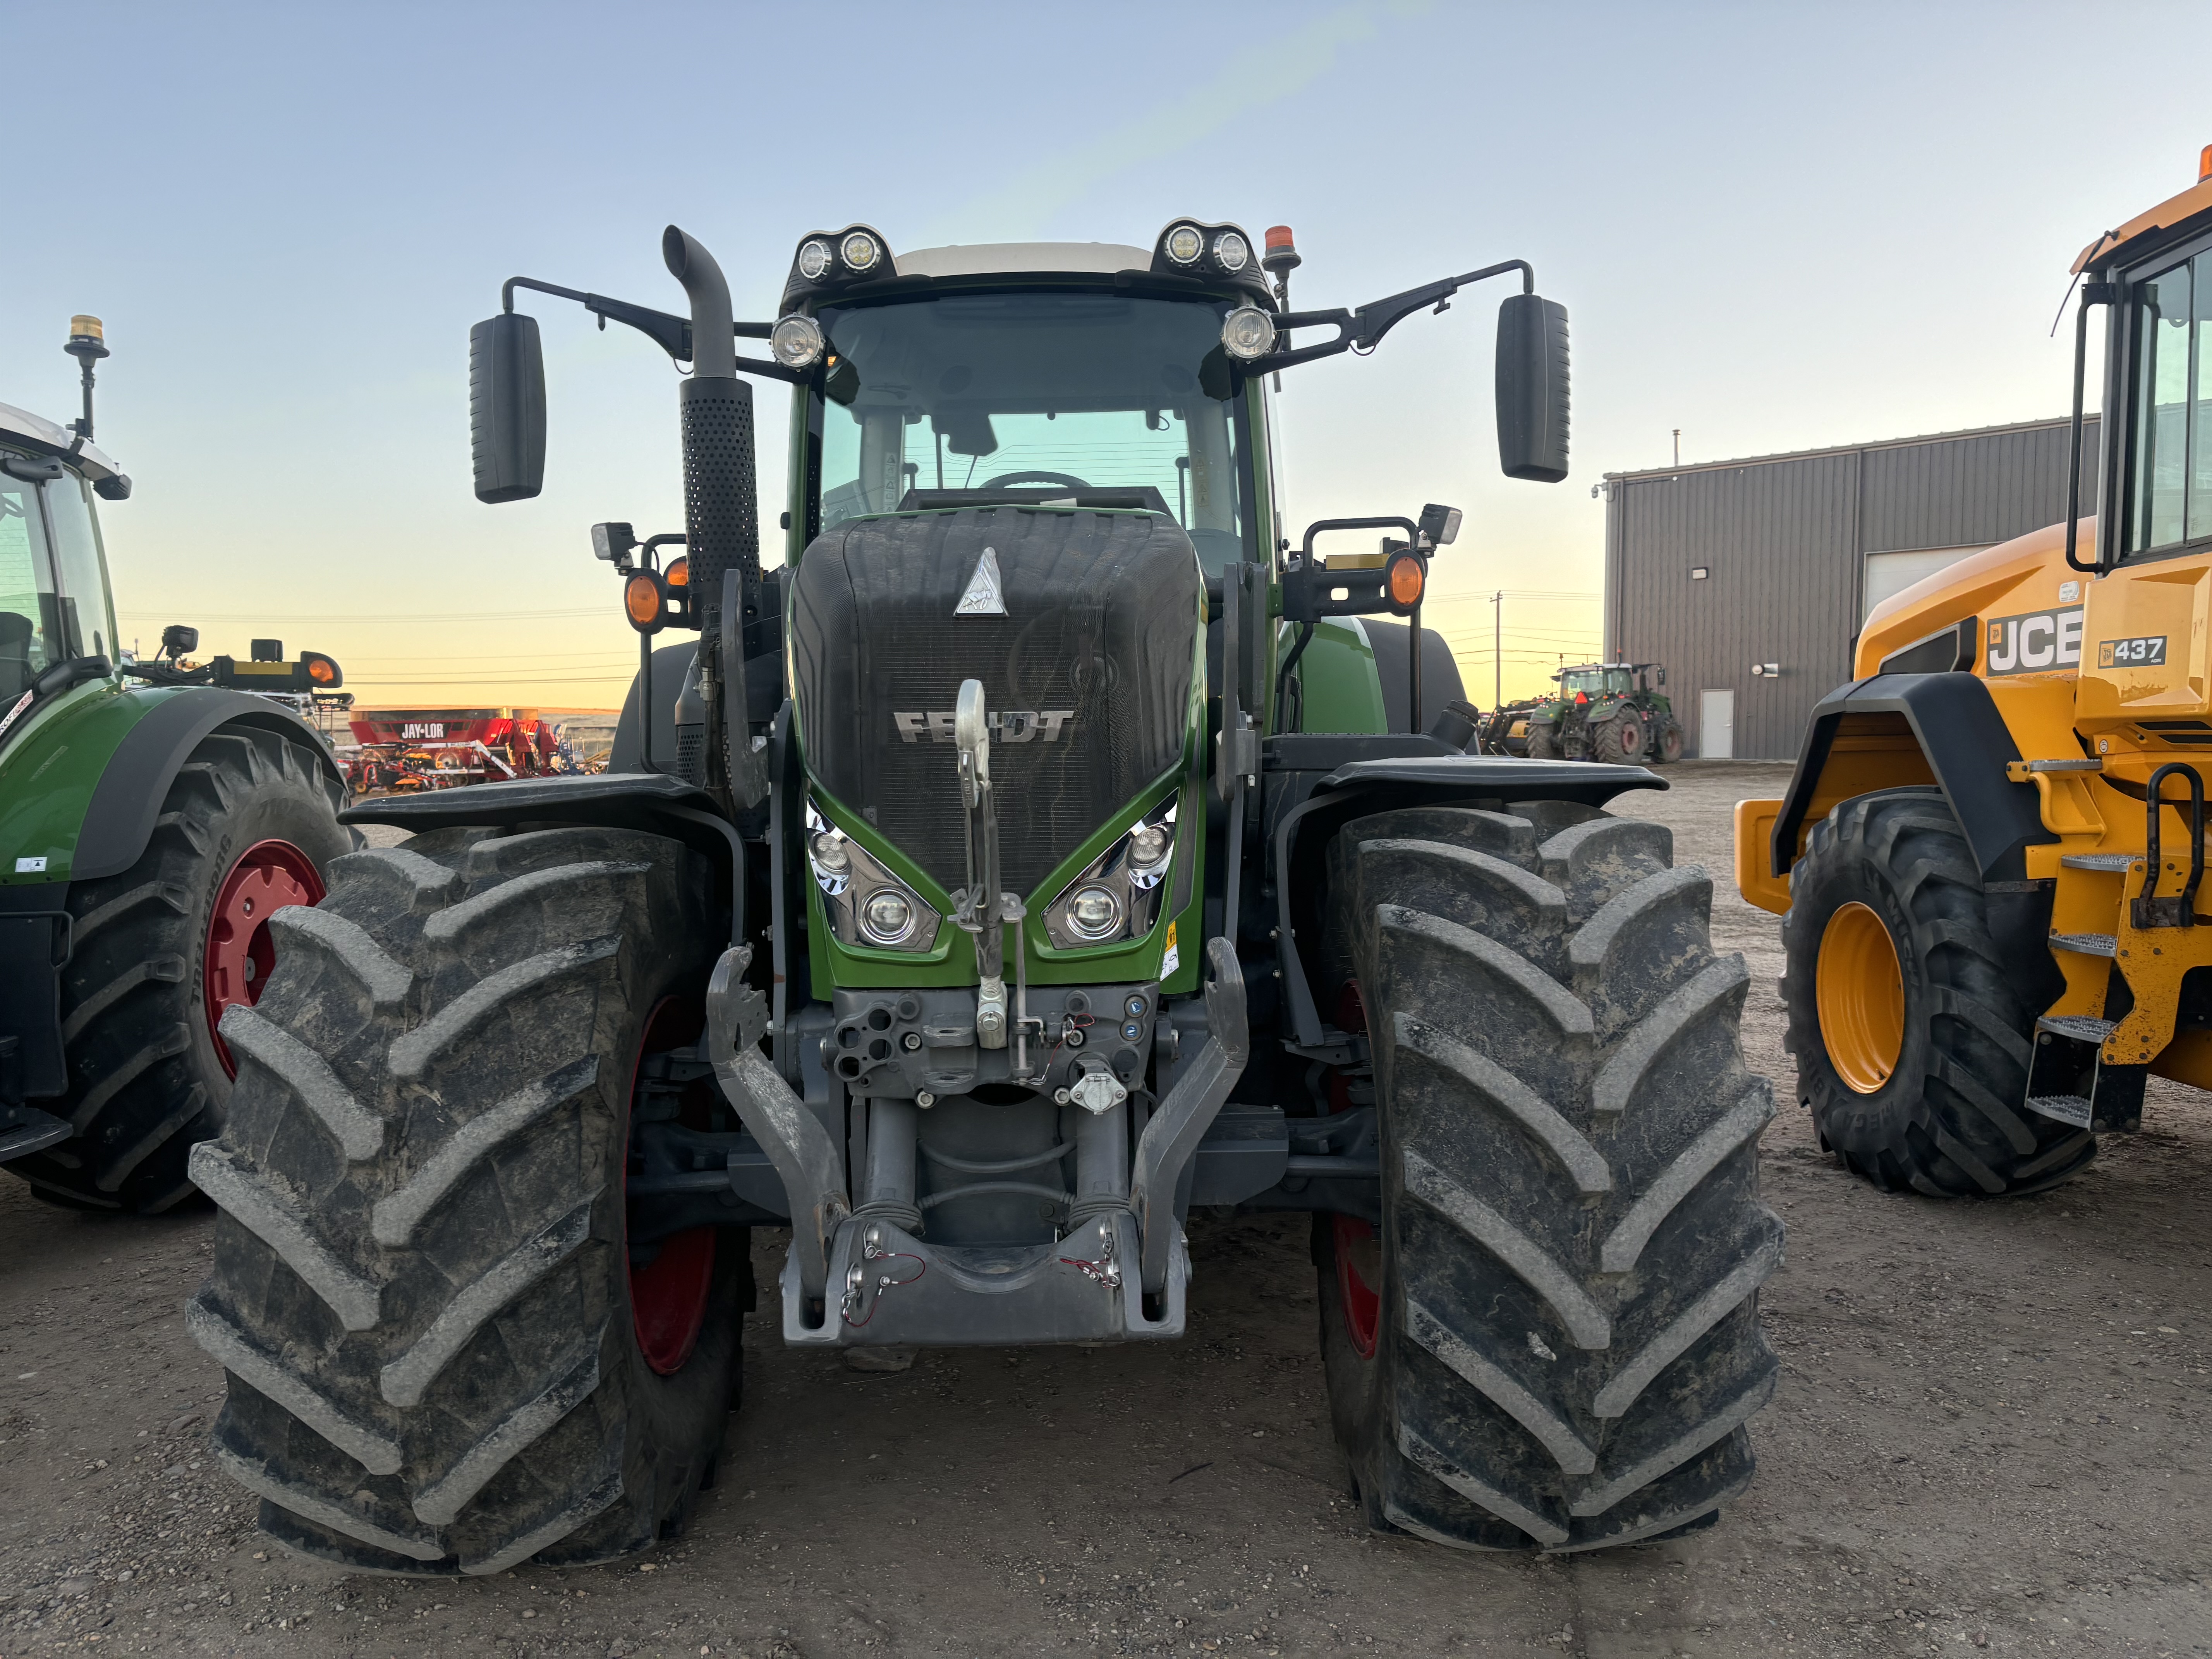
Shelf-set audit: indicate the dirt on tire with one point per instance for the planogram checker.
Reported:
(1569, 1344)
(421, 1288)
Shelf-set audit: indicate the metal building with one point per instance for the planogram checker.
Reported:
(1777, 559)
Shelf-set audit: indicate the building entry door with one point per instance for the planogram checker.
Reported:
(1717, 725)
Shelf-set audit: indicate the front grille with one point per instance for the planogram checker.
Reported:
(1102, 616)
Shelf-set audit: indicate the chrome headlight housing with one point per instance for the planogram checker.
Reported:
(868, 905)
(1117, 895)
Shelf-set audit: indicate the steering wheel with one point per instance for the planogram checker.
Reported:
(1008, 480)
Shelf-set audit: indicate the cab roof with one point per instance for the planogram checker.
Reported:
(35, 432)
(2174, 211)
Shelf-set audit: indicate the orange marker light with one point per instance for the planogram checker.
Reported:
(322, 670)
(1406, 580)
(2204, 164)
(678, 574)
(642, 601)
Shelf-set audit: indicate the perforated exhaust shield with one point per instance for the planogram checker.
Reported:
(1087, 674)
(722, 500)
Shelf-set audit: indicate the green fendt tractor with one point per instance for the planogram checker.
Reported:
(1606, 711)
(1035, 855)
(155, 822)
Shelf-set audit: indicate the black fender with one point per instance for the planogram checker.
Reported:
(1316, 783)
(1967, 746)
(655, 802)
(120, 820)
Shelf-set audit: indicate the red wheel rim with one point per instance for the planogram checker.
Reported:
(668, 1294)
(240, 951)
(1358, 1256)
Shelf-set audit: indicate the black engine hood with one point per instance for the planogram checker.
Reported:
(1086, 663)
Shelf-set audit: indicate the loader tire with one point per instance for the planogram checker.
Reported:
(1668, 749)
(1559, 1344)
(441, 1358)
(1543, 742)
(250, 819)
(1913, 1054)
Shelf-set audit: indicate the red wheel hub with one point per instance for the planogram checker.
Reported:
(268, 876)
(1359, 1281)
(668, 1294)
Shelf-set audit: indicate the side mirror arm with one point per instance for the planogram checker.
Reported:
(671, 333)
(1363, 330)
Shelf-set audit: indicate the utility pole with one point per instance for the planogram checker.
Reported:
(1498, 649)
(1678, 445)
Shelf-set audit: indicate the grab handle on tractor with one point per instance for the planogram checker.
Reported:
(2180, 911)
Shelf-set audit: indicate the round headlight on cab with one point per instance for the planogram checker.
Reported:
(1184, 245)
(1231, 251)
(797, 343)
(860, 250)
(1149, 844)
(814, 259)
(829, 853)
(1094, 913)
(1248, 333)
(888, 916)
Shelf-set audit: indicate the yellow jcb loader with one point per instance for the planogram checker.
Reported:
(1990, 861)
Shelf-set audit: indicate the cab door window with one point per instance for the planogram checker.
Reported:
(30, 621)
(83, 572)
(2170, 470)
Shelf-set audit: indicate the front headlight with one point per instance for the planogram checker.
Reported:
(796, 341)
(1118, 896)
(868, 905)
(1248, 333)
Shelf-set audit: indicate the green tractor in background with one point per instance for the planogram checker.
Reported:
(1036, 855)
(154, 824)
(1613, 712)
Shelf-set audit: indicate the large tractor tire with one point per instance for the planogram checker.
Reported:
(1620, 739)
(1552, 1340)
(444, 1354)
(1668, 749)
(247, 827)
(1543, 742)
(1912, 1041)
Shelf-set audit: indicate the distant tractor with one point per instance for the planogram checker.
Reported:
(1606, 711)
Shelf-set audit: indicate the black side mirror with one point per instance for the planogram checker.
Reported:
(1532, 388)
(507, 407)
(1662, 676)
(178, 639)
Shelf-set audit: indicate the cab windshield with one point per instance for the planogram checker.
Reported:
(1596, 681)
(1034, 397)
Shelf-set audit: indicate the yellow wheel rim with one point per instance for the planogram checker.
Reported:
(1860, 989)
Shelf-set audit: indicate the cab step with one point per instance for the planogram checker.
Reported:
(2060, 1109)
(2116, 863)
(2082, 1027)
(2087, 945)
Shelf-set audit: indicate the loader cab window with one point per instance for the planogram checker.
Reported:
(2170, 466)
(1041, 395)
(30, 616)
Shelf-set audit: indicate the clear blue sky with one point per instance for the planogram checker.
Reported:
(1776, 227)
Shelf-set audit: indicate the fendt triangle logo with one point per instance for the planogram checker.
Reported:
(983, 597)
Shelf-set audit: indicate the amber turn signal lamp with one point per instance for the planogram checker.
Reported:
(322, 671)
(642, 601)
(678, 574)
(2204, 164)
(1405, 580)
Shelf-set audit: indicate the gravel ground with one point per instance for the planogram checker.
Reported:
(1990, 1437)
